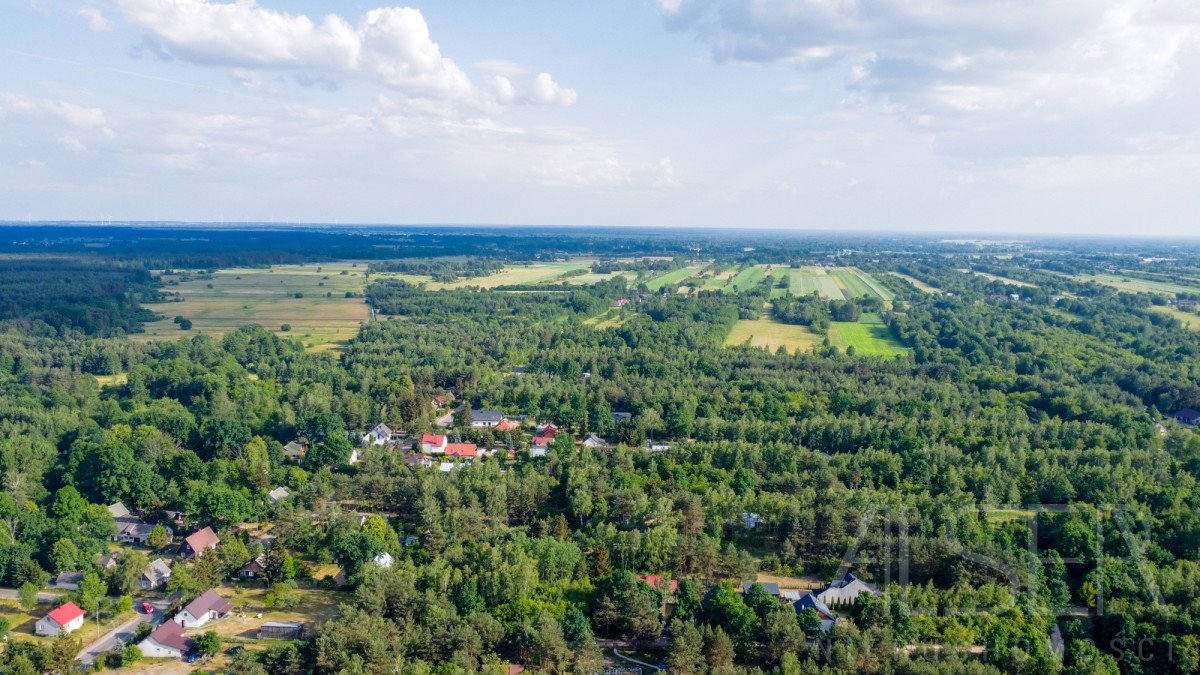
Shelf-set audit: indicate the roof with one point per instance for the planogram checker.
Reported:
(486, 416)
(433, 439)
(209, 601)
(593, 440)
(157, 569)
(772, 588)
(280, 493)
(118, 510)
(655, 581)
(543, 440)
(283, 624)
(65, 614)
(202, 540)
(619, 417)
(68, 578)
(461, 449)
(1188, 413)
(170, 634)
(506, 425)
(255, 565)
(810, 601)
(381, 429)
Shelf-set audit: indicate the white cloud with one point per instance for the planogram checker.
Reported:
(74, 115)
(548, 92)
(390, 45)
(96, 19)
(950, 57)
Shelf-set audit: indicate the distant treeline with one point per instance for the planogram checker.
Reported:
(442, 270)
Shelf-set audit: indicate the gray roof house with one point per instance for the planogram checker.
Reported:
(486, 418)
(810, 601)
(155, 575)
(279, 494)
(594, 441)
(1189, 416)
(68, 580)
(845, 591)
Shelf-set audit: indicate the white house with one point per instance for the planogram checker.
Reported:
(63, 619)
(156, 574)
(167, 641)
(433, 444)
(279, 494)
(1188, 416)
(594, 441)
(540, 445)
(486, 418)
(810, 601)
(203, 609)
(651, 446)
(380, 435)
(384, 559)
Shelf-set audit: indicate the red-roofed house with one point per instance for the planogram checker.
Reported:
(660, 584)
(62, 619)
(506, 425)
(540, 445)
(461, 450)
(433, 444)
(548, 430)
(167, 641)
(200, 541)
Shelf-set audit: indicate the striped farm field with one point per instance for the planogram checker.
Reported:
(748, 278)
(673, 277)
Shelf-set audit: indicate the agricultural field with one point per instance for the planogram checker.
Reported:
(1135, 285)
(921, 285)
(772, 335)
(1189, 319)
(593, 278)
(869, 337)
(321, 317)
(673, 277)
(511, 275)
(719, 280)
(748, 278)
(806, 280)
(857, 283)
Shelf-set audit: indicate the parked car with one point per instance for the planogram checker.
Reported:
(235, 650)
(147, 608)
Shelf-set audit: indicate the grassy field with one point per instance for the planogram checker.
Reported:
(748, 278)
(719, 280)
(857, 283)
(609, 319)
(1190, 320)
(1003, 280)
(315, 607)
(266, 296)
(112, 380)
(22, 622)
(869, 338)
(921, 285)
(592, 278)
(673, 277)
(1135, 285)
(511, 275)
(772, 335)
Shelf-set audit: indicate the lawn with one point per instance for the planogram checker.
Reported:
(1190, 320)
(22, 622)
(772, 335)
(868, 339)
(673, 277)
(921, 285)
(1135, 285)
(859, 283)
(231, 298)
(315, 606)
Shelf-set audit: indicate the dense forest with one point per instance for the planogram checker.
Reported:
(1013, 485)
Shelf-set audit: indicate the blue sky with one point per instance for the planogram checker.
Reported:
(1006, 116)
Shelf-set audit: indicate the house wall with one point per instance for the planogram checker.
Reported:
(152, 649)
(189, 621)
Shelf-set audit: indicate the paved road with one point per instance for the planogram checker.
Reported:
(44, 596)
(122, 634)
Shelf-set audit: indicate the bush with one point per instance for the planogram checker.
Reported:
(287, 327)
(185, 324)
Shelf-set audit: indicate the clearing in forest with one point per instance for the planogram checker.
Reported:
(719, 280)
(220, 303)
(772, 335)
(869, 337)
(997, 277)
(1190, 320)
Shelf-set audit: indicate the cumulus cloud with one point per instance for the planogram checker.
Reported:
(389, 45)
(74, 115)
(951, 57)
(96, 19)
(548, 92)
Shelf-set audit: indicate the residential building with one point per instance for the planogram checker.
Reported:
(166, 641)
(68, 581)
(208, 607)
(433, 444)
(383, 559)
(380, 435)
(462, 450)
(486, 418)
(199, 542)
(61, 620)
(294, 451)
(1188, 416)
(810, 601)
(594, 441)
(279, 494)
(157, 573)
(252, 569)
(845, 591)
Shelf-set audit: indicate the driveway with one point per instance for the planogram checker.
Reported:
(121, 634)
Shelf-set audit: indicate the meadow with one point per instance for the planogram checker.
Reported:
(772, 335)
(869, 337)
(997, 277)
(921, 285)
(673, 277)
(1190, 320)
(1136, 285)
(321, 317)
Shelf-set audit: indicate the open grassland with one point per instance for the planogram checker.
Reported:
(1187, 318)
(1135, 285)
(322, 317)
(818, 279)
(593, 278)
(748, 278)
(673, 277)
(720, 280)
(112, 380)
(857, 283)
(997, 277)
(921, 285)
(22, 623)
(772, 335)
(314, 607)
(868, 339)
(511, 275)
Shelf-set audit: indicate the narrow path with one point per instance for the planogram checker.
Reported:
(122, 633)
(617, 653)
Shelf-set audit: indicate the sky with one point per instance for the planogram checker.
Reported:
(1011, 116)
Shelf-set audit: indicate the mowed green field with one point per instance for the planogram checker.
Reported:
(719, 280)
(673, 277)
(266, 296)
(869, 337)
(1135, 285)
(772, 335)
(857, 283)
(748, 278)
(511, 275)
